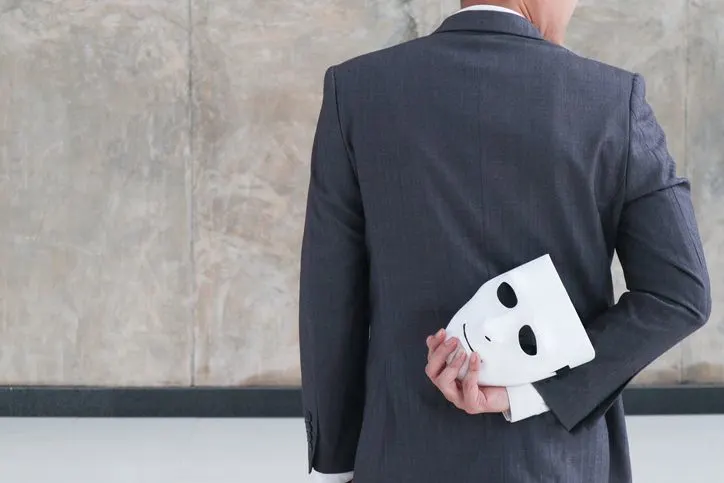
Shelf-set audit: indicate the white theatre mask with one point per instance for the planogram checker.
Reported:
(523, 326)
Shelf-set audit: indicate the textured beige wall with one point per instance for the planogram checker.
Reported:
(154, 163)
(95, 269)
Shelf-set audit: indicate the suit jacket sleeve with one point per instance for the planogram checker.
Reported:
(333, 319)
(668, 294)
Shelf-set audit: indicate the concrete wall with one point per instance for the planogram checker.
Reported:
(154, 163)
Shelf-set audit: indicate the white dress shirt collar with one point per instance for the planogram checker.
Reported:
(490, 8)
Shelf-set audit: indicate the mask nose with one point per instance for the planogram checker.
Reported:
(474, 339)
(480, 334)
(499, 330)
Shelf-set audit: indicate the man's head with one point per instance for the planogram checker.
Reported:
(551, 17)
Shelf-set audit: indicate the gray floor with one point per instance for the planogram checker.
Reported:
(665, 450)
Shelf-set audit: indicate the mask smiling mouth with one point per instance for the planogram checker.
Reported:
(466, 339)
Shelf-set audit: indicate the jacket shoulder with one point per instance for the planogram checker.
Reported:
(383, 57)
(606, 72)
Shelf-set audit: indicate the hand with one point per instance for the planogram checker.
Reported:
(465, 395)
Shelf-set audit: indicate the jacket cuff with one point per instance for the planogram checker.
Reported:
(525, 402)
(335, 478)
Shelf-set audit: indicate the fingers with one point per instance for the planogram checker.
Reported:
(450, 373)
(466, 395)
(436, 361)
(477, 399)
(434, 341)
(443, 372)
(447, 380)
(473, 398)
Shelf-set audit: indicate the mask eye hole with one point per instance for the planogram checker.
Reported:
(527, 341)
(506, 295)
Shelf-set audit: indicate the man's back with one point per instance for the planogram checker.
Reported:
(475, 150)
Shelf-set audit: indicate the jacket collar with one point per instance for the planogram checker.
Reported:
(490, 21)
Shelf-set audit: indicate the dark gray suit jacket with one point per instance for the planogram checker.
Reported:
(441, 163)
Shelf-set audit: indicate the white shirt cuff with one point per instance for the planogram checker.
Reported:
(335, 478)
(525, 402)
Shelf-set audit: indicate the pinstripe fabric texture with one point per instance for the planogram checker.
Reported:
(441, 163)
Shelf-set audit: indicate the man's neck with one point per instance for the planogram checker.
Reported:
(514, 5)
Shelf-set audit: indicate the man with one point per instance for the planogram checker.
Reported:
(441, 163)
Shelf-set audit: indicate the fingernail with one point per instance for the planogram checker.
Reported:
(451, 342)
(474, 358)
(440, 333)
